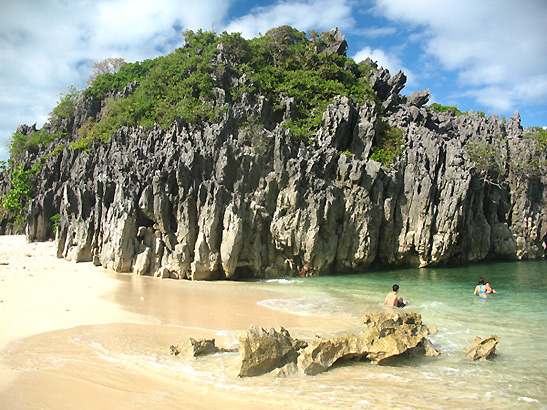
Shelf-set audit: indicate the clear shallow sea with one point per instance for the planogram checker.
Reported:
(515, 378)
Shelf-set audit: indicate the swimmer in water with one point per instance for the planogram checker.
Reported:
(393, 300)
(483, 289)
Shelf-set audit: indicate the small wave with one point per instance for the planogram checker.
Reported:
(302, 306)
(284, 281)
(528, 399)
(434, 304)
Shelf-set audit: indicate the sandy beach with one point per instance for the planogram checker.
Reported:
(72, 334)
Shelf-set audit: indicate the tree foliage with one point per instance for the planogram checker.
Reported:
(490, 158)
(65, 106)
(16, 198)
(524, 158)
(281, 64)
(390, 143)
(445, 108)
(531, 161)
(109, 65)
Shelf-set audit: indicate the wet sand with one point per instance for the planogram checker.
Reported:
(78, 336)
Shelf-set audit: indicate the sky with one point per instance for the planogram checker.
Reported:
(487, 55)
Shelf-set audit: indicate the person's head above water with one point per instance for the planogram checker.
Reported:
(481, 281)
(395, 288)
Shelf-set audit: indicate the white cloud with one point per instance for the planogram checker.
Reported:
(374, 32)
(47, 46)
(498, 47)
(303, 15)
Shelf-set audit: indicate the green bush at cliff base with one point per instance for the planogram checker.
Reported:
(389, 144)
(16, 198)
(55, 223)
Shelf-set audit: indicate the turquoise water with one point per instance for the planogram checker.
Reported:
(516, 377)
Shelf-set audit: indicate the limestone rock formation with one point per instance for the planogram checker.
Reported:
(321, 353)
(387, 335)
(222, 200)
(263, 350)
(483, 348)
(391, 334)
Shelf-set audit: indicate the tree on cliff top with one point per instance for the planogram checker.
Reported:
(108, 65)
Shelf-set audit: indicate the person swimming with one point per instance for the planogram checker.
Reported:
(483, 289)
(393, 300)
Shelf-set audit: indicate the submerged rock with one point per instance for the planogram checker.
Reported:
(483, 348)
(194, 348)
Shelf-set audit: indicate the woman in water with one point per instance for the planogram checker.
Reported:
(482, 290)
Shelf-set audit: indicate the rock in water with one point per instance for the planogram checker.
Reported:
(321, 353)
(391, 334)
(482, 348)
(387, 335)
(262, 351)
(195, 348)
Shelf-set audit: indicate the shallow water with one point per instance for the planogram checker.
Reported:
(124, 361)
(516, 377)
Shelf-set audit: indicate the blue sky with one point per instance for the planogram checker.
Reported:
(488, 55)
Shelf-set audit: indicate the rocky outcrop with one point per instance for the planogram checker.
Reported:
(387, 335)
(483, 348)
(224, 200)
(263, 350)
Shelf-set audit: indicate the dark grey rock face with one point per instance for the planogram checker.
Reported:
(225, 200)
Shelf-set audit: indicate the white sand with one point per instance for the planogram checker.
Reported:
(72, 334)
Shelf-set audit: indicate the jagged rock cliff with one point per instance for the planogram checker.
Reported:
(226, 200)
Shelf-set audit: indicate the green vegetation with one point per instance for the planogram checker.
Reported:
(390, 143)
(445, 108)
(20, 143)
(533, 160)
(283, 64)
(454, 109)
(495, 158)
(490, 158)
(16, 198)
(65, 106)
(55, 223)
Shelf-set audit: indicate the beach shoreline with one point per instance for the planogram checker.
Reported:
(50, 307)
(79, 336)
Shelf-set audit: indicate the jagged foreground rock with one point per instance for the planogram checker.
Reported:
(387, 335)
(483, 348)
(209, 201)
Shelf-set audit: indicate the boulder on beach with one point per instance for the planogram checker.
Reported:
(483, 348)
(274, 350)
(391, 334)
(322, 353)
(387, 335)
(264, 350)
